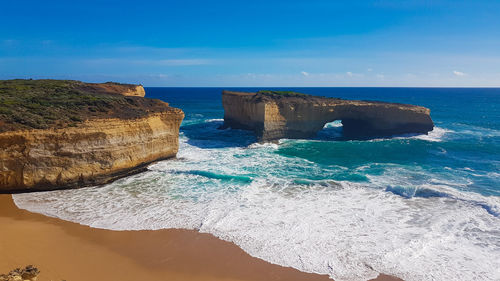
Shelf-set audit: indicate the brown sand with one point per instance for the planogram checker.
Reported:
(69, 251)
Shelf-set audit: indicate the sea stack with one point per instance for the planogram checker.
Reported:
(274, 115)
(57, 134)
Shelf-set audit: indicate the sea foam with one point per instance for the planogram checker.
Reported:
(263, 203)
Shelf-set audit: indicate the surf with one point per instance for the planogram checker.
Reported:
(420, 207)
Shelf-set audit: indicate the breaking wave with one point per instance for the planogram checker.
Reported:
(419, 207)
(351, 231)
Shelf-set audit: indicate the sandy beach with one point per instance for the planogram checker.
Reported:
(69, 251)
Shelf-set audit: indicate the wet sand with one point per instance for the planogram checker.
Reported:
(68, 251)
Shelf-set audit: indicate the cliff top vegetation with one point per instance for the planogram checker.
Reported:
(42, 104)
(281, 93)
(290, 94)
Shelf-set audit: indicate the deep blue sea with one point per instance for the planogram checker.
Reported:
(420, 207)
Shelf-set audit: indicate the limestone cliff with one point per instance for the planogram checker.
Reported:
(274, 115)
(93, 151)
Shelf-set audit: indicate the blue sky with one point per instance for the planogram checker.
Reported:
(254, 43)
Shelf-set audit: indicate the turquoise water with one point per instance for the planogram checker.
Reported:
(420, 207)
(465, 148)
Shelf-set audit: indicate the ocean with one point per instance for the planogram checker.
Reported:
(419, 207)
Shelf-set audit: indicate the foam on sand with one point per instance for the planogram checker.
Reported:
(351, 231)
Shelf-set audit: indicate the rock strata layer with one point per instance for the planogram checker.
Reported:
(274, 115)
(94, 151)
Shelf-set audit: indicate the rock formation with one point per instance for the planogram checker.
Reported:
(116, 88)
(133, 133)
(275, 115)
(29, 273)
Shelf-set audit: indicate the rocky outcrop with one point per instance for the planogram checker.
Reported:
(94, 151)
(29, 273)
(116, 88)
(276, 115)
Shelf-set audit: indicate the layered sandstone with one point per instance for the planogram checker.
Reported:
(273, 115)
(92, 151)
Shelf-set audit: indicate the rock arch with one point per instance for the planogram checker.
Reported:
(274, 115)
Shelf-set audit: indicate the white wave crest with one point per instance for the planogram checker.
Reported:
(214, 120)
(334, 124)
(264, 145)
(349, 231)
(344, 230)
(436, 135)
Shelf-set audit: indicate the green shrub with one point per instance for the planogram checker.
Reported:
(281, 93)
(37, 104)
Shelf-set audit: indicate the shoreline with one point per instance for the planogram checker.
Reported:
(65, 250)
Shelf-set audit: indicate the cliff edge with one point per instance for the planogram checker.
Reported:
(58, 134)
(274, 115)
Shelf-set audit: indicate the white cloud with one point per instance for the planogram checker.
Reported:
(164, 62)
(160, 76)
(350, 74)
(380, 76)
(183, 62)
(369, 69)
(458, 73)
(305, 73)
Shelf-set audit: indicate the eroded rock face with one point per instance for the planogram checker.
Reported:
(96, 152)
(275, 116)
(92, 152)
